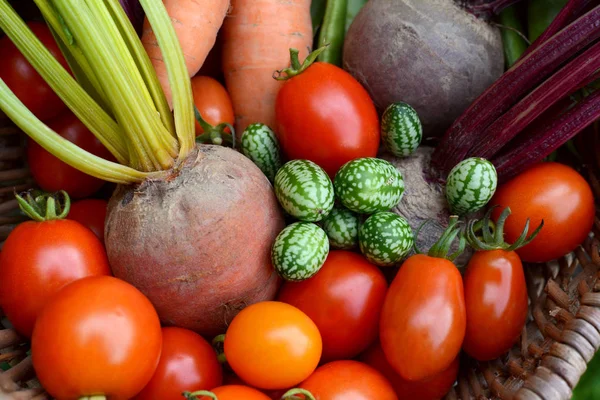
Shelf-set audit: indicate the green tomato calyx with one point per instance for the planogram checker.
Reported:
(296, 68)
(441, 248)
(41, 206)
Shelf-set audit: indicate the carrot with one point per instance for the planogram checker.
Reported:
(196, 23)
(257, 37)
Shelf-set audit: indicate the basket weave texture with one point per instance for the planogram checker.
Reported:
(560, 338)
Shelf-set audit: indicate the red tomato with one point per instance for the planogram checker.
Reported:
(91, 213)
(237, 392)
(24, 80)
(52, 174)
(272, 345)
(326, 116)
(38, 259)
(97, 336)
(555, 193)
(496, 303)
(344, 300)
(423, 320)
(433, 388)
(187, 362)
(212, 101)
(341, 380)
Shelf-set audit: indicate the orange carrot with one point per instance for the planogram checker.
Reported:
(196, 23)
(257, 37)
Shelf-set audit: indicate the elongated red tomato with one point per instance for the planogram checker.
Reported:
(433, 388)
(423, 320)
(326, 116)
(53, 175)
(552, 192)
(90, 213)
(496, 303)
(344, 300)
(24, 80)
(187, 362)
(97, 336)
(345, 379)
(38, 259)
(212, 101)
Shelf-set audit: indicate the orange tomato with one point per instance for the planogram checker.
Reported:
(212, 101)
(272, 345)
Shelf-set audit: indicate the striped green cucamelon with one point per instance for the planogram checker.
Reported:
(368, 185)
(304, 190)
(299, 251)
(341, 227)
(401, 129)
(260, 145)
(470, 185)
(385, 238)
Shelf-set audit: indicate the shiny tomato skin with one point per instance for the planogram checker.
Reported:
(555, 193)
(324, 115)
(90, 213)
(346, 379)
(52, 174)
(187, 362)
(423, 320)
(98, 335)
(272, 345)
(344, 300)
(433, 388)
(496, 303)
(24, 80)
(212, 101)
(237, 392)
(38, 259)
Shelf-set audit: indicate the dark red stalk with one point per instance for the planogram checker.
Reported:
(572, 10)
(576, 74)
(549, 137)
(510, 87)
(483, 8)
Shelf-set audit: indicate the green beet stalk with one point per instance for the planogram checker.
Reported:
(333, 31)
(540, 15)
(514, 44)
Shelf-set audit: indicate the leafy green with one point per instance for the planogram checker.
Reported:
(589, 385)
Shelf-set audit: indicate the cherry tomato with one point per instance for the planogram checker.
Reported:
(53, 175)
(326, 116)
(24, 80)
(340, 380)
(423, 320)
(187, 362)
(555, 193)
(344, 300)
(212, 101)
(496, 303)
(91, 213)
(433, 388)
(38, 259)
(97, 336)
(237, 392)
(272, 345)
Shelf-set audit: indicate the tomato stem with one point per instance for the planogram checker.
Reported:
(297, 68)
(218, 344)
(214, 134)
(196, 395)
(441, 248)
(41, 206)
(291, 394)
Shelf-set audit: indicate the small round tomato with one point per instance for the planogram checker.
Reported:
(346, 379)
(554, 193)
(24, 80)
(187, 361)
(324, 115)
(212, 101)
(272, 345)
(496, 303)
(433, 388)
(90, 213)
(38, 259)
(344, 300)
(96, 336)
(236, 392)
(53, 175)
(423, 320)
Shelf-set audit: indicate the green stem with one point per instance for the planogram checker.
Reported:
(61, 147)
(41, 206)
(333, 31)
(197, 394)
(297, 68)
(179, 81)
(218, 343)
(442, 247)
(514, 43)
(214, 134)
(82, 105)
(291, 394)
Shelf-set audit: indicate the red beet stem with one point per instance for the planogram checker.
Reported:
(488, 8)
(577, 73)
(548, 137)
(512, 85)
(572, 10)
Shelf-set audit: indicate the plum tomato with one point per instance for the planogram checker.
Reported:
(90, 213)
(212, 101)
